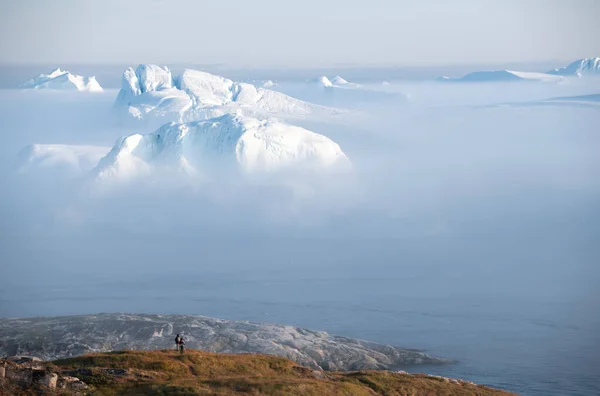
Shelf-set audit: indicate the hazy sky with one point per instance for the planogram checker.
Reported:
(299, 33)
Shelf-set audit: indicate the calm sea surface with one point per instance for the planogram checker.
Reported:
(520, 319)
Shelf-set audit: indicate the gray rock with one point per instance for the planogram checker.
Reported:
(31, 362)
(69, 382)
(49, 380)
(59, 337)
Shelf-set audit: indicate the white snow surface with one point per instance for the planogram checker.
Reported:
(152, 91)
(503, 76)
(67, 159)
(63, 80)
(220, 145)
(580, 68)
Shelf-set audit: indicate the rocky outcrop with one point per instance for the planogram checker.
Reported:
(30, 373)
(59, 337)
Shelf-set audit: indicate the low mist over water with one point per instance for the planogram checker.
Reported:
(466, 226)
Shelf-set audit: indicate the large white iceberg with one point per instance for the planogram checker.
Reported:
(151, 92)
(231, 143)
(580, 68)
(63, 80)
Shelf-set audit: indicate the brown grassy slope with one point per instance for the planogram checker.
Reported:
(203, 373)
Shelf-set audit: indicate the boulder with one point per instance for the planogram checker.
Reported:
(74, 383)
(49, 380)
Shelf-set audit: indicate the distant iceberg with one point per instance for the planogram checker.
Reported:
(63, 80)
(323, 81)
(580, 68)
(502, 76)
(337, 80)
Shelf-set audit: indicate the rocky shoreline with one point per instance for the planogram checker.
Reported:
(67, 336)
(200, 373)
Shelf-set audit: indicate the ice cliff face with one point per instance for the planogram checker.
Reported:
(229, 143)
(580, 68)
(63, 80)
(151, 91)
(59, 337)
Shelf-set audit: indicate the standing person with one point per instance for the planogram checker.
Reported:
(181, 345)
(178, 340)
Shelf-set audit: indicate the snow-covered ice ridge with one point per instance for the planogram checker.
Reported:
(229, 143)
(152, 91)
(63, 80)
(60, 337)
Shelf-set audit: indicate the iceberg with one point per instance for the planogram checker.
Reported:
(337, 80)
(152, 92)
(230, 143)
(579, 68)
(502, 76)
(324, 82)
(63, 80)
